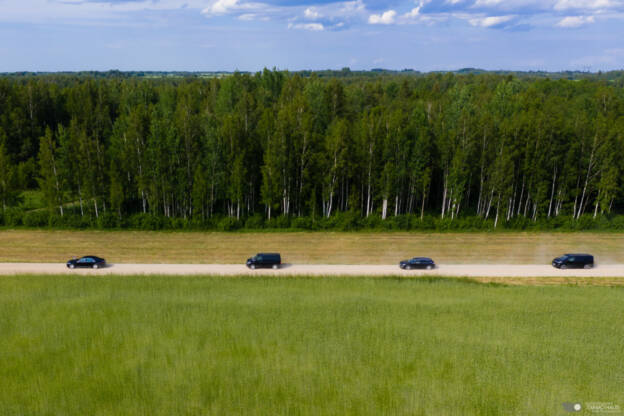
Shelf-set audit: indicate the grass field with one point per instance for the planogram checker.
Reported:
(305, 346)
(302, 247)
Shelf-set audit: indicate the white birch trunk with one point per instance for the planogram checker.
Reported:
(497, 207)
(444, 196)
(384, 208)
(552, 191)
(589, 168)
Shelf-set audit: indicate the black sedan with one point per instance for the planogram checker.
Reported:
(92, 262)
(417, 263)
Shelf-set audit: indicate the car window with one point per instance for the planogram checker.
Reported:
(571, 259)
(259, 258)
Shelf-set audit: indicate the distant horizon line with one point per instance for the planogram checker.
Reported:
(344, 69)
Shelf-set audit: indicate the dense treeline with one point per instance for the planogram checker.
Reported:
(274, 144)
(346, 73)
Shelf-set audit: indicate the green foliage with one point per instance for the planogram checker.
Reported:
(228, 224)
(31, 200)
(281, 222)
(341, 221)
(303, 223)
(68, 221)
(39, 218)
(108, 220)
(146, 222)
(12, 217)
(255, 222)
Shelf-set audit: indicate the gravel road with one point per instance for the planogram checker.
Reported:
(467, 270)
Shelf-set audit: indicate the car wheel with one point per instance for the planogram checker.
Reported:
(275, 267)
(563, 267)
(252, 267)
(588, 266)
(408, 267)
(429, 267)
(71, 266)
(95, 266)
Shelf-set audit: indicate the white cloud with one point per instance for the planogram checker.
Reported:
(314, 27)
(575, 21)
(220, 7)
(224, 7)
(311, 13)
(585, 4)
(337, 11)
(350, 7)
(412, 14)
(332, 15)
(83, 12)
(487, 3)
(329, 16)
(415, 13)
(489, 21)
(386, 18)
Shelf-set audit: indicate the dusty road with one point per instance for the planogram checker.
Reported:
(460, 270)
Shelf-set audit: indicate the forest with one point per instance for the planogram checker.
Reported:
(280, 149)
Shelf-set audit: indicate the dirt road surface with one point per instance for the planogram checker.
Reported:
(459, 270)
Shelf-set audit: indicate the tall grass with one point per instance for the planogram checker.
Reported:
(305, 247)
(76, 345)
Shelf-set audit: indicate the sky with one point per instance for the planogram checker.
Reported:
(249, 35)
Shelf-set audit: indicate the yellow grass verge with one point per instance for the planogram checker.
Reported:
(553, 281)
(302, 247)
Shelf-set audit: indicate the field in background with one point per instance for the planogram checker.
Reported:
(317, 346)
(302, 247)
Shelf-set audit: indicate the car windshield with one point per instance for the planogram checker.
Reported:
(563, 258)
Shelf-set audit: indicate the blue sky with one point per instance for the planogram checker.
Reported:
(212, 35)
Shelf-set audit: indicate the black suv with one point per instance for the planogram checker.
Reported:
(417, 263)
(574, 261)
(273, 260)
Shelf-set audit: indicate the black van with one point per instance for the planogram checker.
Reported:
(574, 261)
(273, 260)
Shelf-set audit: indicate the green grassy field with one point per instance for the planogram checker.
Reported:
(305, 247)
(307, 346)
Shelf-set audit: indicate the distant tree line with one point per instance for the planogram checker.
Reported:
(275, 144)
